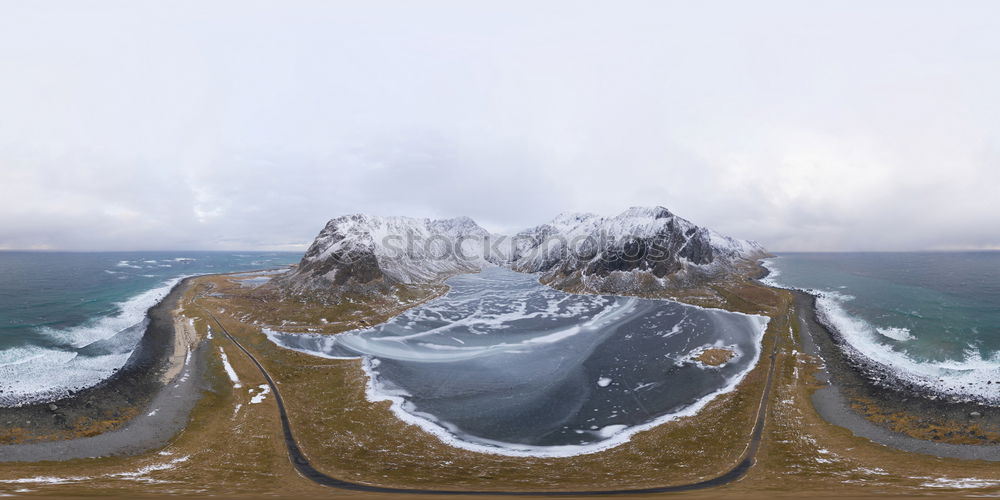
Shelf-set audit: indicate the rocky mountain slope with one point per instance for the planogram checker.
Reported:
(640, 250)
(360, 251)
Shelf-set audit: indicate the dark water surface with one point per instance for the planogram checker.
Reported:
(506, 364)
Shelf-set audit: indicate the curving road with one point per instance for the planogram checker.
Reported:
(302, 465)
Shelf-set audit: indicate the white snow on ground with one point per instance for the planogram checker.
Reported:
(692, 356)
(46, 480)
(603, 382)
(142, 473)
(959, 483)
(875, 471)
(260, 396)
(229, 369)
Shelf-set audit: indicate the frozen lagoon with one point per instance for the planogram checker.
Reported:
(504, 364)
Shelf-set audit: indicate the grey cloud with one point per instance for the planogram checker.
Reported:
(235, 125)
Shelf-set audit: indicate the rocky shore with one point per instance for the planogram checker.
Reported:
(137, 397)
(888, 413)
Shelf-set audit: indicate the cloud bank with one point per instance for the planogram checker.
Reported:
(246, 125)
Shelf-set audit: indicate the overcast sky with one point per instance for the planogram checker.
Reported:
(805, 125)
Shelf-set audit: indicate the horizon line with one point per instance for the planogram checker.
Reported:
(56, 250)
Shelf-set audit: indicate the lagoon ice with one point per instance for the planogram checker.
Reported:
(503, 364)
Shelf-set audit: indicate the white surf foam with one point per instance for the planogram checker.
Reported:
(30, 374)
(45, 374)
(130, 313)
(895, 333)
(773, 272)
(972, 378)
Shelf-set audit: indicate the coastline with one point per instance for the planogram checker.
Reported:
(232, 445)
(141, 407)
(843, 382)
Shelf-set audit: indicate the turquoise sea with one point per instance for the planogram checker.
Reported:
(69, 320)
(930, 318)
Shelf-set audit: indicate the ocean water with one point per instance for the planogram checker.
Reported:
(503, 364)
(930, 318)
(69, 320)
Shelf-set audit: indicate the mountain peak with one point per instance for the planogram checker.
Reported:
(641, 247)
(572, 219)
(656, 212)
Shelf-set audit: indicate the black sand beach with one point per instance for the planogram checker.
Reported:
(141, 410)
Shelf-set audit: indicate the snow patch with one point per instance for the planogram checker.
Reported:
(142, 473)
(229, 369)
(691, 357)
(260, 396)
(960, 483)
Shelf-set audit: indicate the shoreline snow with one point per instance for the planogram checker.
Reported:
(375, 391)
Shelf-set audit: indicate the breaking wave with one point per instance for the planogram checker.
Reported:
(973, 378)
(78, 357)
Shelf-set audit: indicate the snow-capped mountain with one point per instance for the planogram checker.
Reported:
(640, 249)
(358, 250)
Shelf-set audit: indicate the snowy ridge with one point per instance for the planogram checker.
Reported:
(639, 247)
(361, 249)
(408, 250)
(588, 235)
